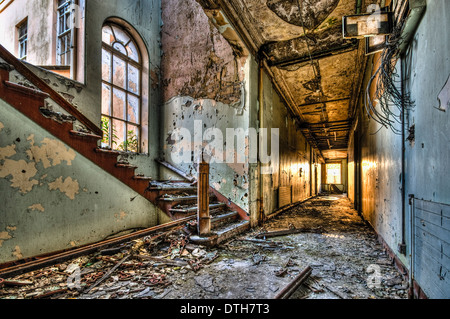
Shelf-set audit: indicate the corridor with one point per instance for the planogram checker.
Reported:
(347, 262)
(168, 149)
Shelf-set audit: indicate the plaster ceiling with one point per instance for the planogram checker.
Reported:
(317, 71)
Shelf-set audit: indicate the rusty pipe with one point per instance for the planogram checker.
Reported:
(295, 284)
(261, 125)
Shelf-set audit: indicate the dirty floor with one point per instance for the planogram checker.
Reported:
(326, 234)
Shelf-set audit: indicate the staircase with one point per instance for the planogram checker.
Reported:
(178, 199)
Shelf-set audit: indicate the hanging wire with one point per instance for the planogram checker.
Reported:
(391, 103)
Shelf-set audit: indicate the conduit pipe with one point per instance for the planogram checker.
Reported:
(402, 247)
(261, 126)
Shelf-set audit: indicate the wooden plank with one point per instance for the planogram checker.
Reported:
(432, 229)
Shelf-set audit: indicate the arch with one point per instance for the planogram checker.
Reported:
(124, 88)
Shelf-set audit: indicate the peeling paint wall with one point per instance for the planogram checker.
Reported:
(209, 68)
(53, 198)
(294, 170)
(203, 80)
(379, 155)
(85, 94)
(202, 75)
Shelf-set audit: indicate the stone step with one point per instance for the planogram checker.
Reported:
(172, 186)
(223, 218)
(180, 198)
(85, 135)
(193, 209)
(221, 234)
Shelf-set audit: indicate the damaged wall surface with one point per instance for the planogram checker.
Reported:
(53, 198)
(210, 90)
(375, 159)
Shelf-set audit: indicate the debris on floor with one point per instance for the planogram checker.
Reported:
(324, 235)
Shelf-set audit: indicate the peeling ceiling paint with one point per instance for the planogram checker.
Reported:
(314, 67)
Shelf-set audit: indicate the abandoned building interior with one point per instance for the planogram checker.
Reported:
(314, 140)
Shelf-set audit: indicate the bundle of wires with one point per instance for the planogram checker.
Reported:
(392, 102)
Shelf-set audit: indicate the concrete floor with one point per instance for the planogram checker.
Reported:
(338, 245)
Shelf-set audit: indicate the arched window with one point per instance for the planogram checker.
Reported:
(121, 90)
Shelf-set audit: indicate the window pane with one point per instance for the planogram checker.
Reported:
(106, 99)
(119, 70)
(119, 104)
(133, 51)
(119, 134)
(106, 65)
(133, 79)
(133, 109)
(107, 35)
(121, 36)
(106, 128)
(333, 173)
(132, 138)
(119, 47)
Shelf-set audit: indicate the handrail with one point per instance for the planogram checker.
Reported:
(41, 85)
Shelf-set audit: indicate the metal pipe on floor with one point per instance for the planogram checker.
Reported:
(295, 284)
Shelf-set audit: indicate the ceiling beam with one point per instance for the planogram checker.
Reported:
(315, 45)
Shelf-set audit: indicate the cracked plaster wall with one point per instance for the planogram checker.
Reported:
(202, 89)
(202, 81)
(427, 66)
(53, 198)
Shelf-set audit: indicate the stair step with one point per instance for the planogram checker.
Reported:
(106, 151)
(172, 186)
(220, 220)
(227, 231)
(125, 165)
(142, 178)
(87, 135)
(232, 229)
(175, 198)
(193, 209)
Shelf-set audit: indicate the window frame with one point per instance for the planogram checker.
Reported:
(128, 61)
(22, 40)
(63, 32)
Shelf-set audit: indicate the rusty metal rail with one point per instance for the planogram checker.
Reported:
(40, 263)
(295, 284)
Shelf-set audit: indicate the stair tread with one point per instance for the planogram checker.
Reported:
(224, 215)
(84, 134)
(145, 178)
(221, 230)
(106, 151)
(194, 208)
(125, 165)
(231, 226)
(172, 186)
